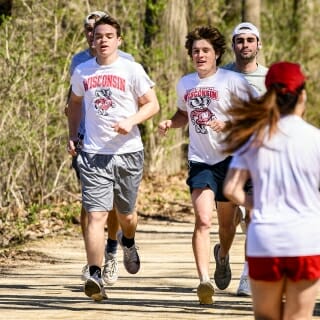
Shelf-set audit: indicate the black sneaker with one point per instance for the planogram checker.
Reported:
(222, 274)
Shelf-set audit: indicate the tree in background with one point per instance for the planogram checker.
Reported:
(165, 58)
(38, 38)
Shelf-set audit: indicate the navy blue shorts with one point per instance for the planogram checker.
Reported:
(202, 175)
(248, 187)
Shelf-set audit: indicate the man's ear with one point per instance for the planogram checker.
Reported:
(259, 45)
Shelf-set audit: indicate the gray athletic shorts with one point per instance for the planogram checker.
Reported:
(108, 180)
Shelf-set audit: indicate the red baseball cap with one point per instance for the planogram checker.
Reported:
(286, 73)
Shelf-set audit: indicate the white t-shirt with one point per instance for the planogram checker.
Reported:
(204, 100)
(110, 94)
(286, 177)
(84, 56)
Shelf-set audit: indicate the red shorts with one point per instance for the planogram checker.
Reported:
(274, 268)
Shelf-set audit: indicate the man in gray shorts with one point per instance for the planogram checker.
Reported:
(110, 269)
(118, 95)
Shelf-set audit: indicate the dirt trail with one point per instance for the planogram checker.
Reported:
(164, 288)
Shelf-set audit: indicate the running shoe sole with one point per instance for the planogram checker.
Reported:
(93, 290)
(205, 291)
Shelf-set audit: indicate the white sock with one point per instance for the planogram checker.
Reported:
(245, 271)
(205, 279)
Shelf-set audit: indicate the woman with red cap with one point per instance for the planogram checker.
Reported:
(280, 152)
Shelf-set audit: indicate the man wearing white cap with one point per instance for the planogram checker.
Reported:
(110, 271)
(246, 43)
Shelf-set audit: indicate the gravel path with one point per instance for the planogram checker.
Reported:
(49, 287)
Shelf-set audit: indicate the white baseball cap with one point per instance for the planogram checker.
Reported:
(246, 27)
(93, 14)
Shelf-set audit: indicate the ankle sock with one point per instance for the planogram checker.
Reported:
(205, 278)
(245, 271)
(127, 242)
(93, 269)
(112, 246)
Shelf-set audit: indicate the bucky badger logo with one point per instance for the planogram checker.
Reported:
(103, 102)
(201, 114)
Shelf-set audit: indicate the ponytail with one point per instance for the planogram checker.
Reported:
(251, 119)
(257, 118)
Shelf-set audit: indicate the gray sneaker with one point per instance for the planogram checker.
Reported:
(131, 258)
(110, 269)
(205, 291)
(222, 274)
(244, 289)
(85, 274)
(93, 288)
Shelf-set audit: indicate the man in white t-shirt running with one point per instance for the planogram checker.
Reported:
(203, 100)
(118, 95)
(110, 269)
(246, 43)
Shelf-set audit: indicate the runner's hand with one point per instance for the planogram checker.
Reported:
(164, 126)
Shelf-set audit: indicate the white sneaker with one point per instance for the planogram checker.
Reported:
(85, 274)
(244, 287)
(205, 291)
(110, 269)
(131, 258)
(93, 288)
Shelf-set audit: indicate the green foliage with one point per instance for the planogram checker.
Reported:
(32, 216)
(68, 213)
(154, 11)
(36, 46)
(288, 33)
(37, 221)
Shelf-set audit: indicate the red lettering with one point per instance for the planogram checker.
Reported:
(106, 81)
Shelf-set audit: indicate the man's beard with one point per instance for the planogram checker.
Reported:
(248, 58)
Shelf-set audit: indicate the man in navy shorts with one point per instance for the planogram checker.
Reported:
(203, 100)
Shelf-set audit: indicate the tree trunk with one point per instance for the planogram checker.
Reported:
(233, 11)
(251, 13)
(166, 154)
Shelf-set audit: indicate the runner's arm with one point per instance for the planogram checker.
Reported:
(74, 119)
(179, 120)
(233, 187)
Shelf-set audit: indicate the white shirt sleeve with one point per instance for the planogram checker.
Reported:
(143, 83)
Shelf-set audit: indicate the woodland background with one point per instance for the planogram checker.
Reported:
(37, 40)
